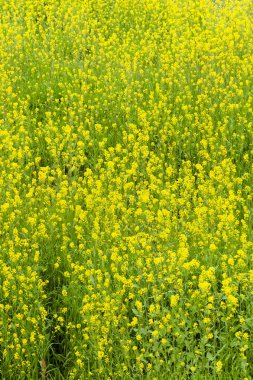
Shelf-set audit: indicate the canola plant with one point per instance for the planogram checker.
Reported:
(126, 173)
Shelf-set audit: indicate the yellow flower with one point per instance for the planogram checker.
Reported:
(100, 354)
(218, 366)
(174, 300)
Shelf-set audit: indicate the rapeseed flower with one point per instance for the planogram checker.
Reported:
(125, 189)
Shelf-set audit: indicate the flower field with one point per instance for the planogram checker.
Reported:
(126, 176)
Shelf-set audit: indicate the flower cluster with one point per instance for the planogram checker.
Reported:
(126, 170)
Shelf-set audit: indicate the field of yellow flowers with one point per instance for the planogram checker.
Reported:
(126, 203)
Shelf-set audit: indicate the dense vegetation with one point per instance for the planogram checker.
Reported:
(126, 179)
